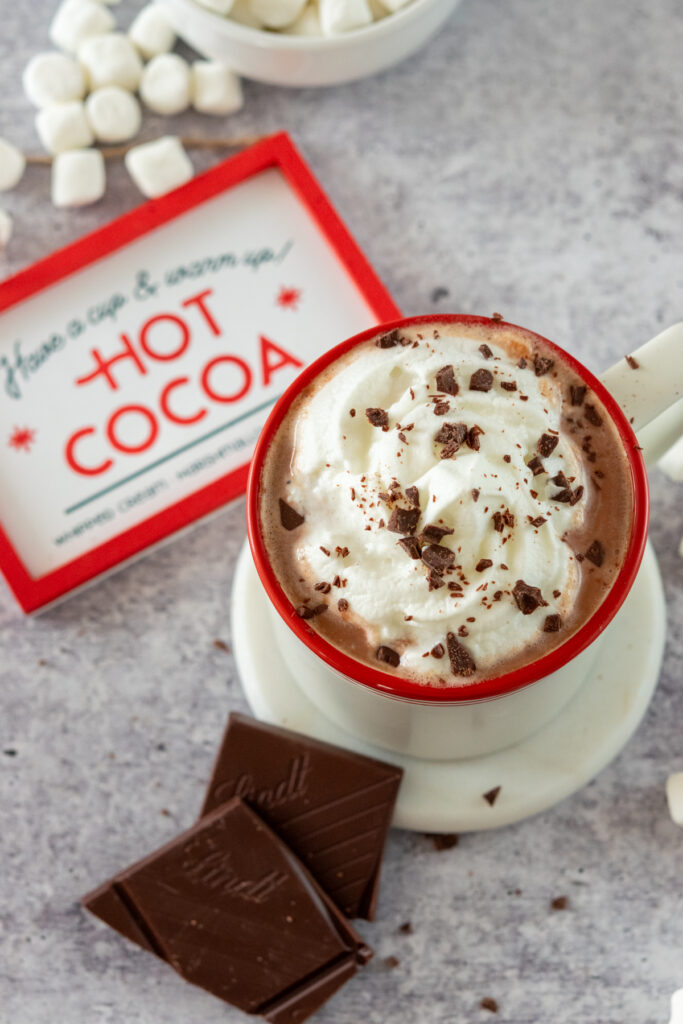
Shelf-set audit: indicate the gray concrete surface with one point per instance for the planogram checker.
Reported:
(530, 161)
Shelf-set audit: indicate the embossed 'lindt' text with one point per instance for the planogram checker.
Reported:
(215, 871)
(294, 785)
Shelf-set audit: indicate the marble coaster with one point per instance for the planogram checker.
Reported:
(446, 796)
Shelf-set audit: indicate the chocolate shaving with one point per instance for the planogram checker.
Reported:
(492, 795)
(547, 444)
(536, 466)
(633, 363)
(378, 418)
(435, 581)
(309, 613)
(481, 380)
(552, 623)
(434, 533)
(446, 382)
(388, 656)
(463, 631)
(352, 413)
(483, 563)
(413, 496)
(596, 553)
(486, 351)
(325, 551)
(389, 340)
(441, 408)
(289, 517)
(475, 494)
(527, 598)
(438, 651)
(342, 552)
(438, 557)
(343, 604)
(451, 433)
(403, 520)
(498, 522)
(592, 415)
(542, 365)
(473, 437)
(323, 587)
(509, 385)
(411, 546)
(462, 662)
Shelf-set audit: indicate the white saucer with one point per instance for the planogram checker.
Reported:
(446, 796)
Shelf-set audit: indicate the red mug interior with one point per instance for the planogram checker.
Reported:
(482, 689)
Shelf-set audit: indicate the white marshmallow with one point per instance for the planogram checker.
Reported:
(6, 226)
(111, 60)
(215, 88)
(674, 796)
(159, 167)
(12, 164)
(343, 15)
(677, 1007)
(53, 78)
(113, 114)
(152, 32)
(217, 6)
(242, 13)
(277, 13)
(64, 126)
(78, 177)
(77, 20)
(166, 85)
(307, 24)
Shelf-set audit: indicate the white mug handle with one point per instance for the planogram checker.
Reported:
(651, 393)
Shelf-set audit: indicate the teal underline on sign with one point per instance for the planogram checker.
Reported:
(171, 455)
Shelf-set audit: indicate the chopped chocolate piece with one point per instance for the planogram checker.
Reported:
(542, 365)
(323, 587)
(221, 645)
(473, 437)
(489, 1004)
(384, 496)
(486, 351)
(560, 903)
(557, 593)
(522, 363)
(508, 518)
(413, 496)
(451, 433)
(503, 566)
(492, 795)
(496, 316)
(507, 458)
(547, 444)
(441, 408)
(482, 564)
(536, 466)
(552, 624)
(388, 656)
(391, 962)
(328, 804)
(434, 533)
(226, 885)
(577, 495)
(592, 415)
(446, 382)
(596, 553)
(462, 662)
(538, 521)
(343, 604)
(527, 598)
(475, 493)
(404, 520)
(577, 393)
(438, 651)
(498, 522)
(378, 418)
(463, 631)
(435, 581)
(411, 546)
(564, 496)
(560, 480)
(509, 385)
(444, 840)
(289, 517)
(389, 340)
(633, 363)
(352, 413)
(438, 557)
(481, 380)
(336, 582)
(406, 928)
(454, 585)
(309, 613)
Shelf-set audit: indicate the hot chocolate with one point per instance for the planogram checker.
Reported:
(447, 502)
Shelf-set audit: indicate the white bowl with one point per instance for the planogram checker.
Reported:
(280, 59)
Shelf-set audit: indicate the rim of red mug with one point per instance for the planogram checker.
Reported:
(484, 689)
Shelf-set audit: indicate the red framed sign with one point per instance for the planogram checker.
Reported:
(138, 365)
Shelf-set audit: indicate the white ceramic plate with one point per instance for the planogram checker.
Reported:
(446, 796)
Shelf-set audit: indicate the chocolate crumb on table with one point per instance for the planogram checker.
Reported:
(443, 840)
(221, 645)
(406, 928)
(560, 903)
(490, 1004)
(391, 962)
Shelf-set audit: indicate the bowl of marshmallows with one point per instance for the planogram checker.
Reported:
(307, 42)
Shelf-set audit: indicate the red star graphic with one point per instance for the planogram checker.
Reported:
(289, 298)
(21, 439)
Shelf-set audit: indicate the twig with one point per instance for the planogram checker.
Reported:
(116, 152)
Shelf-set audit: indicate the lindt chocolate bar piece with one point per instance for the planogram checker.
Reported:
(331, 806)
(232, 910)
